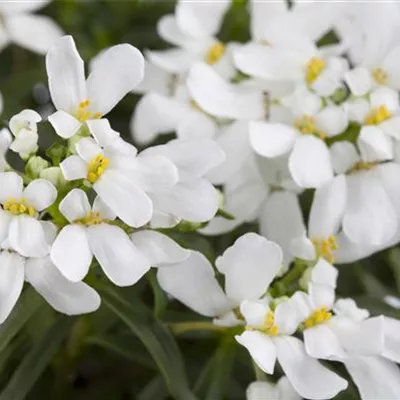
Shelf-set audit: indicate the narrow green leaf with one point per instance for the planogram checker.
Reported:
(36, 361)
(28, 304)
(215, 377)
(160, 298)
(157, 339)
(155, 389)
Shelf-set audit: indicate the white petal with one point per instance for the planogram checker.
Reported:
(120, 260)
(116, 72)
(281, 220)
(193, 157)
(159, 249)
(66, 75)
(222, 99)
(302, 247)
(73, 168)
(271, 140)
(391, 127)
(287, 317)
(344, 156)
(156, 114)
(26, 236)
(14, 7)
(71, 298)
(261, 349)
(188, 281)
(368, 373)
(263, 391)
(370, 217)
(155, 80)
(102, 208)
(174, 61)
(392, 339)
(348, 308)
(196, 125)
(34, 32)
(357, 109)
(71, 254)
(5, 219)
(200, 19)
(87, 148)
(249, 267)
(309, 162)
(321, 295)
(359, 81)
(169, 30)
(374, 145)
(153, 173)
(11, 186)
(254, 312)
(124, 198)
(234, 141)
(332, 120)
(384, 96)
(324, 273)
(64, 124)
(387, 174)
(321, 342)
(328, 208)
(102, 132)
(40, 194)
(308, 377)
(75, 205)
(12, 270)
(195, 201)
(390, 66)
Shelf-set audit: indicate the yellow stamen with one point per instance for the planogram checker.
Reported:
(377, 115)
(362, 166)
(325, 248)
(92, 218)
(314, 68)
(214, 53)
(269, 327)
(83, 114)
(318, 317)
(18, 207)
(380, 76)
(97, 167)
(306, 125)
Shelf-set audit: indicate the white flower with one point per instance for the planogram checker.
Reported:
(192, 29)
(371, 215)
(261, 390)
(64, 296)
(325, 220)
(193, 197)
(268, 338)
(368, 372)
(89, 233)
(34, 32)
(119, 177)
(309, 161)
(20, 228)
(249, 266)
(380, 120)
(24, 128)
(5, 141)
(115, 73)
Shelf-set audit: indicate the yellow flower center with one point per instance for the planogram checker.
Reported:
(377, 115)
(92, 218)
(325, 248)
(362, 166)
(97, 167)
(215, 52)
(314, 68)
(318, 317)
(18, 207)
(268, 327)
(380, 76)
(306, 125)
(83, 114)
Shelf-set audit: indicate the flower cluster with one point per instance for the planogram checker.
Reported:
(292, 114)
(264, 121)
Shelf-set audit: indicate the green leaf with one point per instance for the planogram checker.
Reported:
(160, 298)
(215, 377)
(157, 339)
(155, 389)
(28, 304)
(36, 361)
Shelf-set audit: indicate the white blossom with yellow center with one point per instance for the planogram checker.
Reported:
(115, 73)
(20, 228)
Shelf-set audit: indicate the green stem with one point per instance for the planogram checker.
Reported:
(183, 327)
(260, 375)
